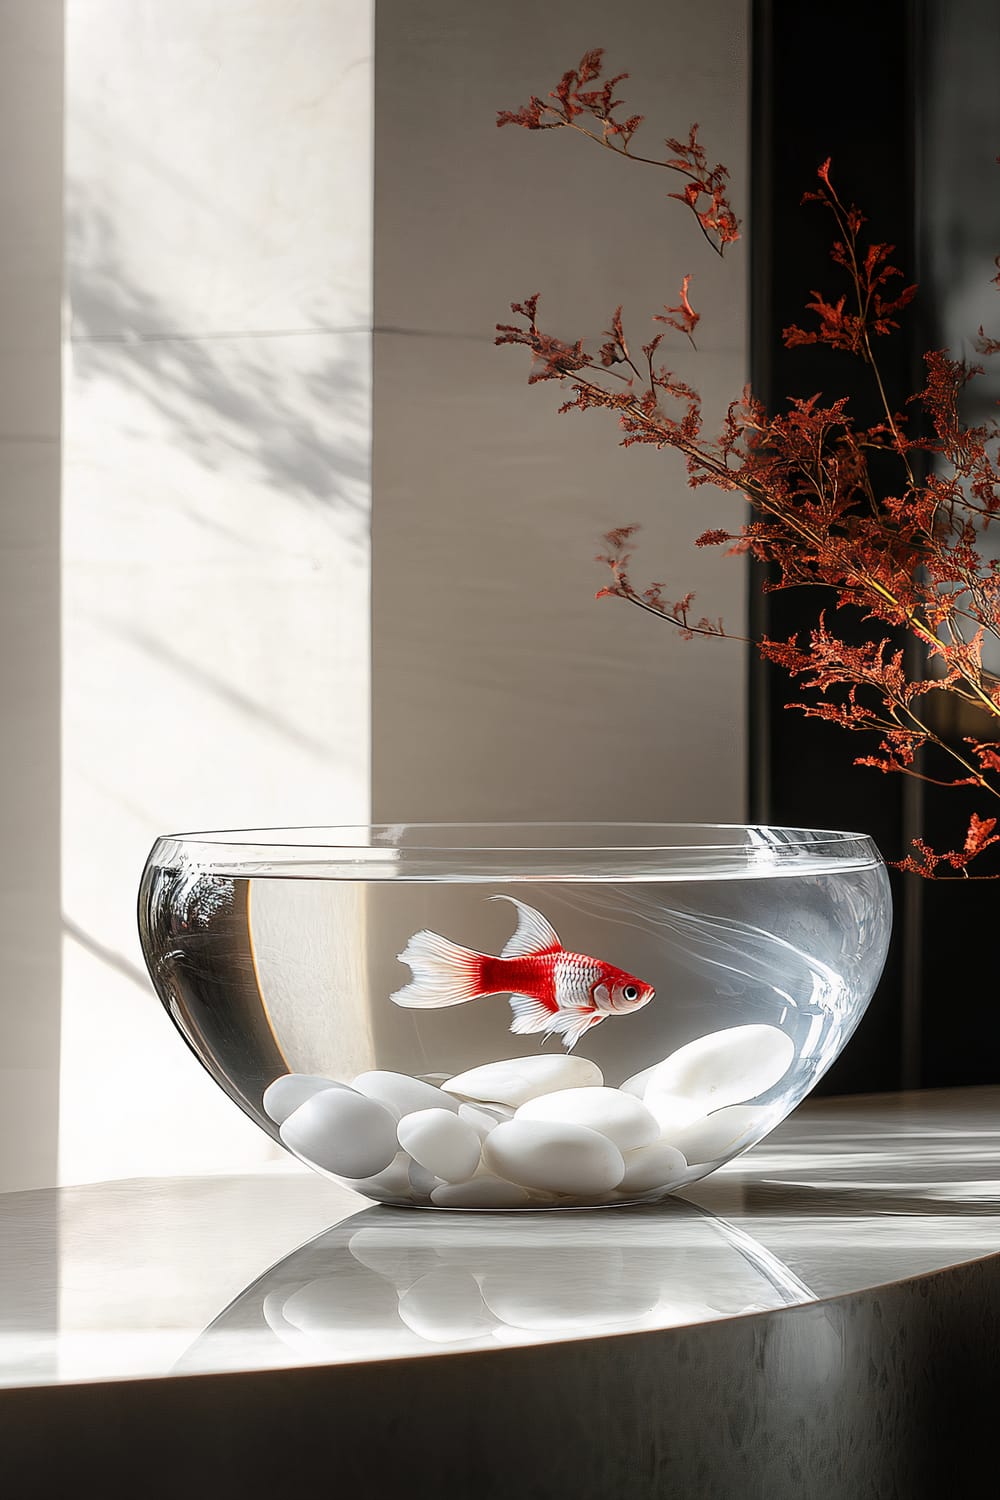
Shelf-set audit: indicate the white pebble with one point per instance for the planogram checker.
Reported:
(423, 1182)
(394, 1182)
(672, 1113)
(725, 1067)
(446, 1306)
(554, 1156)
(656, 1166)
(481, 1120)
(342, 1132)
(518, 1079)
(724, 1132)
(441, 1142)
(401, 1094)
(639, 1082)
(283, 1097)
(620, 1117)
(481, 1192)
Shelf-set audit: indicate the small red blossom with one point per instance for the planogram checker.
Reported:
(683, 317)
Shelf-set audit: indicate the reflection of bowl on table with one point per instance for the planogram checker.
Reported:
(384, 1284)
(356, 992)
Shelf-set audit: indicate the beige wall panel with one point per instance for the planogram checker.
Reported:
(31, 53)
(501, 689)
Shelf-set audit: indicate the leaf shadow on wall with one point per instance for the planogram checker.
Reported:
(289, 407)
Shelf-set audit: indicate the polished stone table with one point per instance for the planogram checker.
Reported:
(818, 1319)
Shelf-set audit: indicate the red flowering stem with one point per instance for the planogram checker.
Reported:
(648, 161)
(971, 770)
(580, 92)
(763, 501)
(887, 409)
(629, 594)
(850, 240)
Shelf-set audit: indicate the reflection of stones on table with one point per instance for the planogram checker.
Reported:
(479, 1277)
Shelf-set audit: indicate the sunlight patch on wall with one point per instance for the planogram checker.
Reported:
(216, 500)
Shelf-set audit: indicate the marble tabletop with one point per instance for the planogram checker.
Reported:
(280, 1268)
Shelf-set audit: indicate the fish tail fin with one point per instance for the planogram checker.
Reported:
(530, 1015)
(443, 973)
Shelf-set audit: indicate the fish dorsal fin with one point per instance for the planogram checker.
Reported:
(535, 934)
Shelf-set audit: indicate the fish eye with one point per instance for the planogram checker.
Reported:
(630, 992)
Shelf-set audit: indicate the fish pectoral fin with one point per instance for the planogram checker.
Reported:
(573, 1023)
(534, 933)
(601, 995)
(530, 1015)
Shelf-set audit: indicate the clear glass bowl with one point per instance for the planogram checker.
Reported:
(516, 1016)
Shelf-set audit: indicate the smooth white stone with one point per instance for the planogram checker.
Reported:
(724, 1132)
(649, 1167)
(673, 1114)
(446, 1306)
(283, 1097)
(555, 1156)
(441, 1142)
(481, 1120)
(536, 1195)
(342, 1132)
(423, 1182)
(620, 1117)
(638, 1083)
(500, 1112)
(724, 1067)
(482, 1192)
(394, 1182)
(402, 1094)
(518, 1079)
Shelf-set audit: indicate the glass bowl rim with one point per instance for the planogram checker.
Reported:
(384, 838)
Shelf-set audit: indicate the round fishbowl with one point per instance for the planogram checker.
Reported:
(516, 1017)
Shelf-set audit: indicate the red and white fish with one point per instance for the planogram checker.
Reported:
(550, 990)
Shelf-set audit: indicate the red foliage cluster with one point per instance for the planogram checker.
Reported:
(571, 103)
(906, 561)
(869, 276)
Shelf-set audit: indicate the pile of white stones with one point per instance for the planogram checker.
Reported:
(536, 1130)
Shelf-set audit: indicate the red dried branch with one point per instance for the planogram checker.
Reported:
(571, 102)
(903, 557)
(927, 862)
